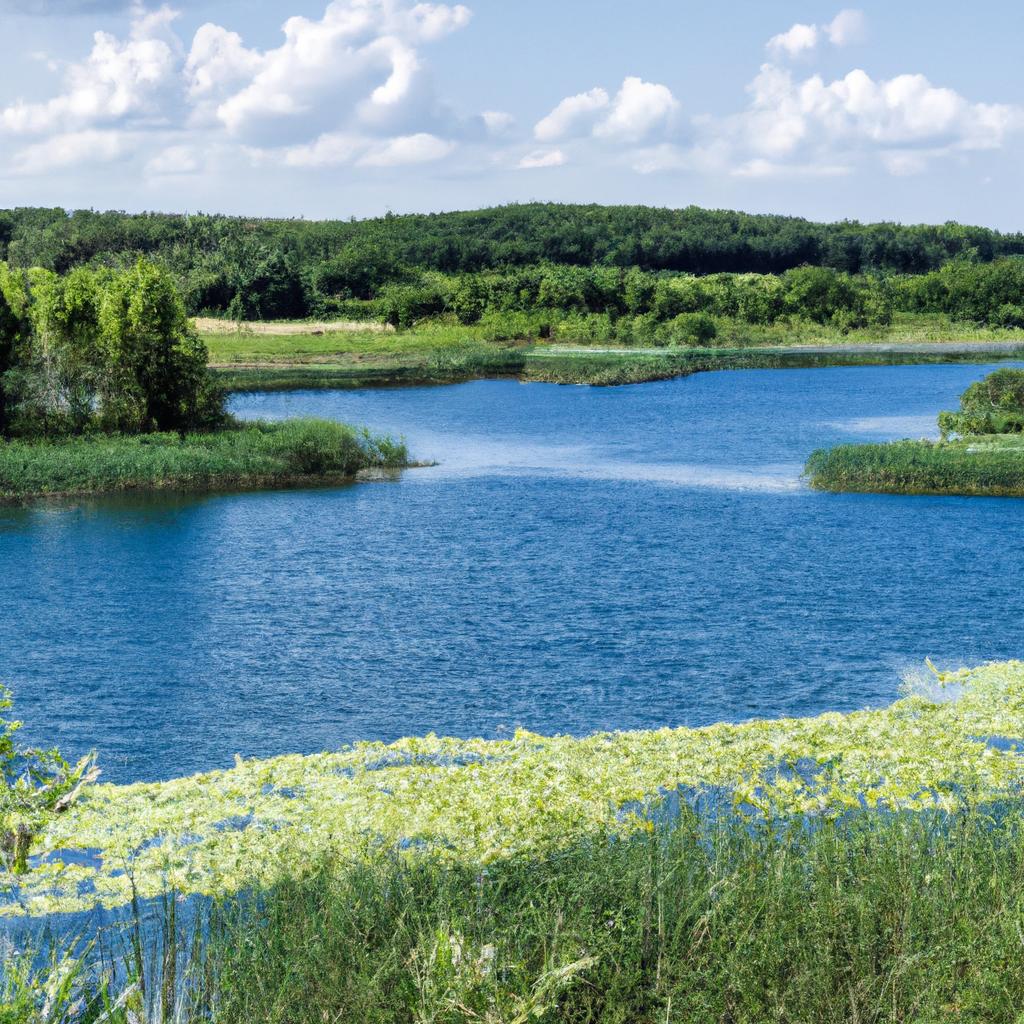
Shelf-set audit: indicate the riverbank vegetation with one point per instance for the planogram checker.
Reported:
(104, 385)
(237, 456)
(981, 450)
(861, 866)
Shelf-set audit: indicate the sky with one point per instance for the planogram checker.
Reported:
(909, 111)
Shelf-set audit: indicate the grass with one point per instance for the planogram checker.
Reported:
(249, 455)
(887, 918)
(983, 466)
(881, 919)
(436, 352)
(484, 801)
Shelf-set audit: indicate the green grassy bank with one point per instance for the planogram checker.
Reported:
(563, 364)
(248, 455)
(981, 451)
(888, 919)
(991, 466)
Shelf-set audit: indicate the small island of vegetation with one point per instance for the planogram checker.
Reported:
(104, 386)
(980, 452)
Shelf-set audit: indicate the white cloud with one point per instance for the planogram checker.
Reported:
(639, 108)
(847, 27)
(218, 59)
(761, 168)
(799, 39)
(905, 121)
(407, 149)
(359, 61)
(574, 115)
(332, 149)
(542, 158)
(67, 150)
(118, 80)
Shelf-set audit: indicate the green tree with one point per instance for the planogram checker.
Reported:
(14, 329)
(157, 373)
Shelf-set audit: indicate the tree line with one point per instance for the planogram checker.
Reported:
(249, 268)
(100, 350)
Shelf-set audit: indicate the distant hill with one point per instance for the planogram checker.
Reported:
(215, 257)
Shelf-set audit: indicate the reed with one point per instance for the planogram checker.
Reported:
(243, 455)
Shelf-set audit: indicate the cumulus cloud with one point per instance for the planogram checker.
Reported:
(349, 87)
(174, 160)
(799, 39)
(361, 56)
(336, 149)
(542, 158)
(407, 149)
(574, 115)
(497, 122)
(637, 111)
(118, 80)
(847, 27)
(814, 126)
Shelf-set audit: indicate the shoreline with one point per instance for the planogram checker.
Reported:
(243, 456)
(597, 366)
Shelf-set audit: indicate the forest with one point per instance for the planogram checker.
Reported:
(605, 261)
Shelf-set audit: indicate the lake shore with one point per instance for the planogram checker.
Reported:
(247, 456)
(564, 364)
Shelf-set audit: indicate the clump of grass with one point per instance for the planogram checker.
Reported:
(876, 917)
(993, 469)
(243, 455)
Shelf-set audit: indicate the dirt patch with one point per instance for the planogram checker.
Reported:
(211, 325)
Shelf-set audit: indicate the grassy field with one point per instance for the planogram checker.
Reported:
(440, 352)
(865, 866)
(249, 456)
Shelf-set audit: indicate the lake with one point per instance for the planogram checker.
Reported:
(581, 559)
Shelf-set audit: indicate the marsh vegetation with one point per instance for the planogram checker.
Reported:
(981, 451)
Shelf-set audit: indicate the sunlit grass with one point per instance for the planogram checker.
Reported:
(250, 455)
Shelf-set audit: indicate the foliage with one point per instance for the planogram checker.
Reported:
(102, 350)
(35, 786)
(884, 918)
(992, 467)
(574, 259)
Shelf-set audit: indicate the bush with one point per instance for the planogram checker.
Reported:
(691, 329)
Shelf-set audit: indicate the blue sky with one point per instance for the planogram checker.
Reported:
(911, 111)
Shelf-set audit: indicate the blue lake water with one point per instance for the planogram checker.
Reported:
(581, 559)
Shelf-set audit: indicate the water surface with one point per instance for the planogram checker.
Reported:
(581, 559)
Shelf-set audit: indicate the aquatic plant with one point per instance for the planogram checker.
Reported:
(484, 801)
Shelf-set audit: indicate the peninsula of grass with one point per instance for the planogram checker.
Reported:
(981, 452)
(237, 456)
